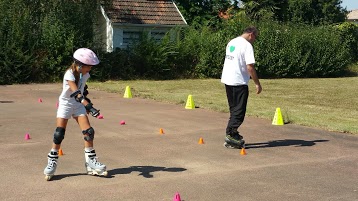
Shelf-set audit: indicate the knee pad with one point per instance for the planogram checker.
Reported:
(88, 134)
(59, 135)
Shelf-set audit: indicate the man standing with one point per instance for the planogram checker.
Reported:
(238, 68)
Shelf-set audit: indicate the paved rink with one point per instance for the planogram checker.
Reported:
(282, 163)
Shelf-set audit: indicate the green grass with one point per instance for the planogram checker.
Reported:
(327, 103)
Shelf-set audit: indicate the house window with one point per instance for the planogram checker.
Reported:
(130, 37)
(157, 35)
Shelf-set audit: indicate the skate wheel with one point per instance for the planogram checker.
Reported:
(229, 146)
(105, 174)
(48, 177)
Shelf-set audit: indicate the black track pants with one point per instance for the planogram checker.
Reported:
(237, 98)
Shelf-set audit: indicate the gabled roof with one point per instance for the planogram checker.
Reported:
(353, 15)
(156, 12)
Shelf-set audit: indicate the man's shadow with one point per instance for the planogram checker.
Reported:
(145, 171)
(282, 143)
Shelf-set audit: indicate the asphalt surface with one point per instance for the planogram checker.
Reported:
(282, 163)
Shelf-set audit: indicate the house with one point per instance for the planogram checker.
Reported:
(353, 16)
(123, 22)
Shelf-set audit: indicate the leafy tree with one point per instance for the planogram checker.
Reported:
(298, 11)
(203, 12)
(258, 9)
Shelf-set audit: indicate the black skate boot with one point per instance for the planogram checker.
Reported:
(234, 141)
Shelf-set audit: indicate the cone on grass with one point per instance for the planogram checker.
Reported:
(161, 131)
(60, 152)
(201, 141)
(190, 103)
(122, 122)
(127, 93)
(27, 136)
(176, 197)
(243, 152)
(277, 119)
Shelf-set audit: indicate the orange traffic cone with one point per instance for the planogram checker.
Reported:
(201, 141)
(243, 152)
(60, 152)
(161, 131)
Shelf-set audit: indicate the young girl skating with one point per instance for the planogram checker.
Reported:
(72, 103)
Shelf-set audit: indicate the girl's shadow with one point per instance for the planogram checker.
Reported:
(145, 171)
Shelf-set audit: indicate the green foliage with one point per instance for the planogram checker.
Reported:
(300, 51)
(37, 41)
(212, 53)
(202, 12)
(349, 34)
(314, 12)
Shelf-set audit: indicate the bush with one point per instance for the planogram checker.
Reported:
(349, 34)
(300, 51)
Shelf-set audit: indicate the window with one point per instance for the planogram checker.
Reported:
(157, 35)
(130, 37)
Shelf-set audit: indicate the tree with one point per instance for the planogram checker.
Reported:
(316, 11)
(203, 12)
(258, 9)
(299, 11)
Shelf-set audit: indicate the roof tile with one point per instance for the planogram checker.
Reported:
(353, 15)
(162, 12)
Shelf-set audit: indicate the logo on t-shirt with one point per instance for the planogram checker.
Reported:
(232, 48)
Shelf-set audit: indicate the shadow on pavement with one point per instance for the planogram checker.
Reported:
(6, 101)
(61, 176)
(145, 171)
(282, 143)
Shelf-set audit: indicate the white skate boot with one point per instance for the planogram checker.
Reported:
(94, 167)
(50, 169)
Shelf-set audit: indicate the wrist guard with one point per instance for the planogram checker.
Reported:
(85, 91)
(74, 94)
(77, 97)
(89, 106)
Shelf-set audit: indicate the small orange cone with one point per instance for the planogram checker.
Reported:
(201, 141)
(161, 131)
(60, 152)
(243, 152)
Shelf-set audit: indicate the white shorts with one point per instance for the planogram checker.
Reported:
(66, 112)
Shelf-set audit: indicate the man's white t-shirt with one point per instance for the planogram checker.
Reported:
(239, 53)
(66, 92)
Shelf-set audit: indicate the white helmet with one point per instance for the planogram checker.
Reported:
(86, 56)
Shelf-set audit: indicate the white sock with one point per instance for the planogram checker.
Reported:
(88, 149)
(54, 150)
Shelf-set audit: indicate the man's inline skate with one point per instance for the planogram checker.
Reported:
(234, 141)
(93, 167)
(50, 169)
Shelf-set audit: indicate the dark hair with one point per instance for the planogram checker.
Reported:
(252, 29)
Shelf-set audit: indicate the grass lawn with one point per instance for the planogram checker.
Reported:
(327, 103)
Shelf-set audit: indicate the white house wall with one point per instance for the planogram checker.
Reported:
(107, 31)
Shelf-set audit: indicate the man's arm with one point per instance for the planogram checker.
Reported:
(252, 71)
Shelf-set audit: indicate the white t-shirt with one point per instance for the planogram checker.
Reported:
(66, 91)
(239, 53)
